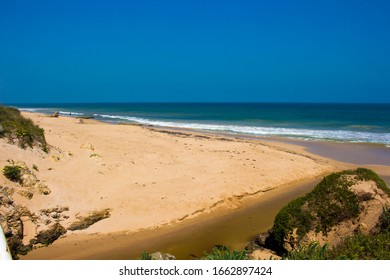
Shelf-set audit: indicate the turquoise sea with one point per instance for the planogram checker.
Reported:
(366, 123)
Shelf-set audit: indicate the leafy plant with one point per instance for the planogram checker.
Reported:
(312, 251)
(384, 219)
(145, 256)
(12, 172)
(224, 253)
(363, 247)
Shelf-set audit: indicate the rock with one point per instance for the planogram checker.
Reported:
(85, 222)
(30, 181)
(55, 115)
(253, 245)
(47, 237)
(362, 227)
(291, 240)
(162, 256)
(43, 189)
(26, 194)
(262, 238)
(58, 209)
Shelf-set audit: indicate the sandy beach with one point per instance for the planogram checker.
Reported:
(152, 178)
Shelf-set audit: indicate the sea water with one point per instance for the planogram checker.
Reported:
(366, 123)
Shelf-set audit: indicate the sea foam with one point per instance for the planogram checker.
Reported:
(309, 134)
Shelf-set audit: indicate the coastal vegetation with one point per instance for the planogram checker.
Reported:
(20, 130)
(12, 173)
(336, 207)
(374, 246)
(224, 253)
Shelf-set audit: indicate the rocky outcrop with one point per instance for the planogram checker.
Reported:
(29, 181)
(84, 222)
(343, 204)
(46, 237)
(25, 230)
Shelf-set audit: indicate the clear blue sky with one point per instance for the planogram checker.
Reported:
(135, 51)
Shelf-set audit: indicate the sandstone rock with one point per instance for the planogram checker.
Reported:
(162, 256)
(43, 189)
(30, 181)
(26, 194)
(261, 239)
(47, 237)
(93, 217)
(362, 227)
(58, 209)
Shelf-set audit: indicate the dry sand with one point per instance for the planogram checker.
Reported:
(151, 178)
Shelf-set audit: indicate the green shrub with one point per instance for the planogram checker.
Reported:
(12, 172)
(145, 256)
(384, 220)
(363, 247)
(328, 204)
(312, 251)
(24, 130)
(224, 253)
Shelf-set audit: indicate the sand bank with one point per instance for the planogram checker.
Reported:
(153, 178)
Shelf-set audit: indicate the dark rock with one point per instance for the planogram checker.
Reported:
(46, 237)
(262, 238)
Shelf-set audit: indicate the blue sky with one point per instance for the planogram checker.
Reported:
(194, 51)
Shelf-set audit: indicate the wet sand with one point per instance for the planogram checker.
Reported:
(355, 153)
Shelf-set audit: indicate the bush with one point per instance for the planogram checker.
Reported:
(145, 256)
(363, 247)
(12, 172)
(14, 125)
(224, 253)
(313, 251)
(330, 203)
(384, 220)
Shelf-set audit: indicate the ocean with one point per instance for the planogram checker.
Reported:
(362, 123)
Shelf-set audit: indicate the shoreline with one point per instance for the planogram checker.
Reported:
(195, 137)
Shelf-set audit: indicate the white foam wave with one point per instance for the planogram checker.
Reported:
(70, 113)
(29, 109)
(338, 135)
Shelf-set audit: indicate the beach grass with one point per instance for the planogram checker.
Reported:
(20, 130)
